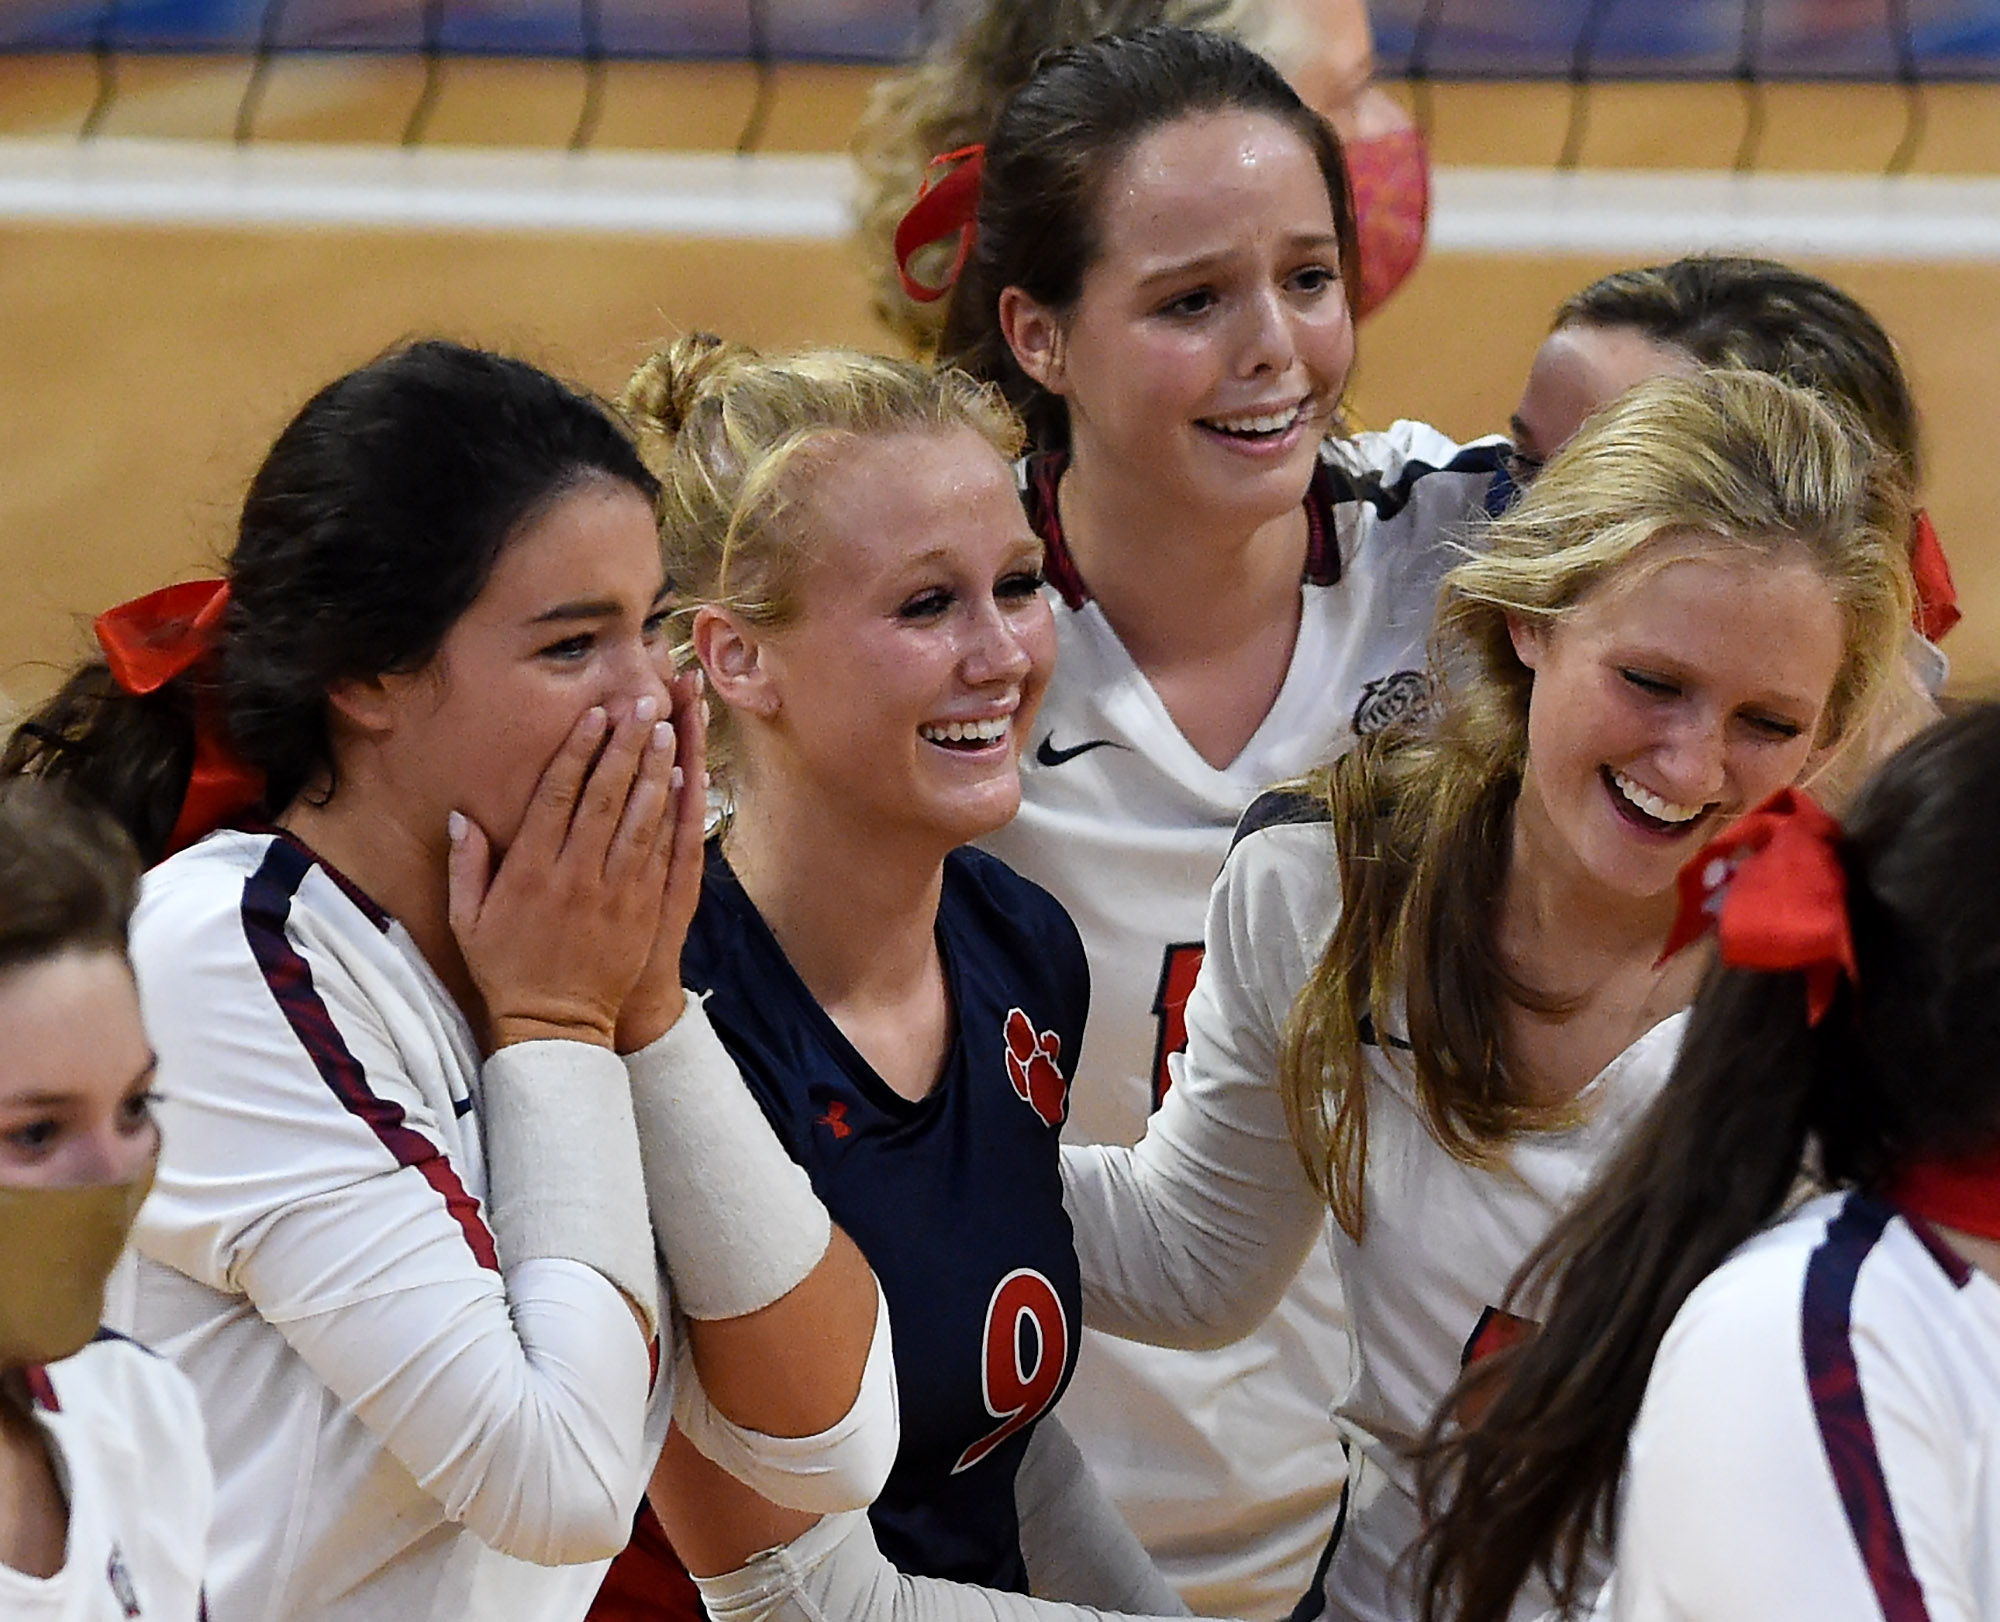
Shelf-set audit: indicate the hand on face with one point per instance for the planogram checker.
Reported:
(559, 932)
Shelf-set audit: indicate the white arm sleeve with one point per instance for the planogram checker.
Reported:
(1190, 1238)
(843, 1467)
(835, 1573)
(1076, 1545)
(736, 1217)
(303, 1172)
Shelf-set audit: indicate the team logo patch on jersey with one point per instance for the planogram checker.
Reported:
(121, 1582)
(835, 1119)
(1389, 699)
(1031, 1067)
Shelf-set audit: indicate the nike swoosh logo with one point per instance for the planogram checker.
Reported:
(1047, 754)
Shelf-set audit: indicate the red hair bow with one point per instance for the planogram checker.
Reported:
(150, 641)
(1937, 597)
(1773, 890)
(948, 203)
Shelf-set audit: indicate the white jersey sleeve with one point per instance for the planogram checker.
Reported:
(126, 1434)
(1190, 1237)
(1820, 1438)
(316, 1255)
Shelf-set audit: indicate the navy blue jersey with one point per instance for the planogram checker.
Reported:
(956, 1200)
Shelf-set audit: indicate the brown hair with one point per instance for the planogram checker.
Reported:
(68, 877)
(949, 97)
(373, 523)
(1053, 149)
(1421, 815)
(1763, 316)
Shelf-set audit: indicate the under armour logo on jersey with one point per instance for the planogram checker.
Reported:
(121, 1583)
(1031, 1067)
(835, 1119)
(1389, 699)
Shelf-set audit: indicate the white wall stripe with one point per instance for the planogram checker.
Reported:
(1478, 211)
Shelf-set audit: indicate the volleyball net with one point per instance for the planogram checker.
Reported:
(409, 171)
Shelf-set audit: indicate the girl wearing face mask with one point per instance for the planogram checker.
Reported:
(412, 973)
(1803, 1421)
(949, 97)
(1433, 996)
(105, 1489)
(1160, 276)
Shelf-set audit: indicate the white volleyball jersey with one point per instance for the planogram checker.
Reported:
(1820, 1439)
(400, 1419)
(1190, 1236)
(126, 1437)
(1225, 1462)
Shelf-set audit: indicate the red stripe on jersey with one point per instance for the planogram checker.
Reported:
(41, 1388)
(1834, 1379)
(267, 904)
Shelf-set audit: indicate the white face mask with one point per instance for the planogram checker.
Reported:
(57, 1249)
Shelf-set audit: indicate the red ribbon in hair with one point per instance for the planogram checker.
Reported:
(1937, 597)
(150, 641)
(947, 204)
(1773, 890)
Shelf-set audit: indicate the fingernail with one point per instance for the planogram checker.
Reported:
(704, 782)
(679, 779)
(455, 826)
(593, 718)
(646, 708)
(663, 734)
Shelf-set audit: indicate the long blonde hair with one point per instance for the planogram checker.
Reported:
(1421, 816)
(733, 436)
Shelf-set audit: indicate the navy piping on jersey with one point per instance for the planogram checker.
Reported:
(347, 887)
(267, 904)
(1312, 1603)
(1038, 495)
(1834, 1380)
(1279, 808)
(1390, 499)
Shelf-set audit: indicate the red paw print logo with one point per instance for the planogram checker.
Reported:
(1031, 1067)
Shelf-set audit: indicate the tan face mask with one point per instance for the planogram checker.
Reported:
(57, 1249)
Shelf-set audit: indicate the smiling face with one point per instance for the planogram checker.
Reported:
(1211, 339)
(1671, 699)
(900, 691)
(74, 1100)
(1577, 369)
(571, 617)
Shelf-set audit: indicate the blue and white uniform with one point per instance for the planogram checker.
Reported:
(409, 1417)
(1188, 1238)
(126, 1436)
(1820, 1439)
(955, 1199)
(1226, 1462)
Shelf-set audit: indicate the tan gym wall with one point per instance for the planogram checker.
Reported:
(144, 369)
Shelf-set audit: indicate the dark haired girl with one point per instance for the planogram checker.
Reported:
(1161, 280)
(412, 976)
(1802, 1422)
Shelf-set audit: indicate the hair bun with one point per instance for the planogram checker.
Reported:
(664, 392)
